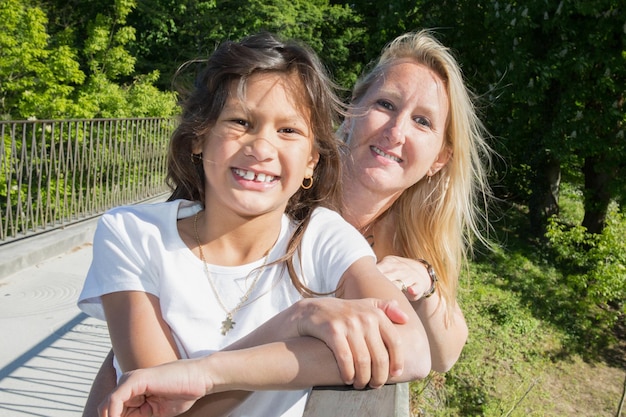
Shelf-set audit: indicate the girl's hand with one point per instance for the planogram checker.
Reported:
(162, 391)
(360, 333)
(409, 275)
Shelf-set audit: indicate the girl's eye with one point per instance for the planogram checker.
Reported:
(291, 132)
(241, 122)
(385, 104)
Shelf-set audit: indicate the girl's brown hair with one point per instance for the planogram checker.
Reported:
(234, 62)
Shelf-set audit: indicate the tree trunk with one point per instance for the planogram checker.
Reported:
(596, 195)
(544, 201)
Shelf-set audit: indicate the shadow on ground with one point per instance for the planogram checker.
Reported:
(54, 377)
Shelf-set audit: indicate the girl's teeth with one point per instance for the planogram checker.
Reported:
(250, 176)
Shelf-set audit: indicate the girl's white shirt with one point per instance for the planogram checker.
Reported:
(138, 248)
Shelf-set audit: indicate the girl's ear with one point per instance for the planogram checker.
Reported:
(310, 167)
(198, 143)
(442, 159)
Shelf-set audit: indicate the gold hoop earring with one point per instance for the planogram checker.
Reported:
(196, 158)
(309, 185)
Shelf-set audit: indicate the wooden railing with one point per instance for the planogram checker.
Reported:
(388, 401)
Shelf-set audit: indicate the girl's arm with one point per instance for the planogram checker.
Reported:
(294, 363)
(354, 330)
(141, 339)
(447, 334)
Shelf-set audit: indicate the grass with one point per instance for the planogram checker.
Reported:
(530, 351)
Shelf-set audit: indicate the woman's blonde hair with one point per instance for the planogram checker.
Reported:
(438, 218)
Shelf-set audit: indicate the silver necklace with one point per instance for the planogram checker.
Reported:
(228, 322)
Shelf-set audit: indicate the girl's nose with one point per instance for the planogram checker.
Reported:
(261, 148)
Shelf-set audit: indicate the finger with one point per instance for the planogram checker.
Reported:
(393, 311)
(413, 293)
(362, 361)
(344, 357)
(393, 344)
(380, 360)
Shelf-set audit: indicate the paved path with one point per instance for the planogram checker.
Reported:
(49, 351)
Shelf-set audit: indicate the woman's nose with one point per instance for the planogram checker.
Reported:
(395, 131)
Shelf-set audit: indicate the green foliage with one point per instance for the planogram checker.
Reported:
(43, 77)
(36, 80)
(527, 321)
(106, 53)
(100, 97)
(595, 269)
(508, 347)
(170, 33)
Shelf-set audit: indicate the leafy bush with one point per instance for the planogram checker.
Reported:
(594, 267)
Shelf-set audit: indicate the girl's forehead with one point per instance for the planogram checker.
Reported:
(288, 86)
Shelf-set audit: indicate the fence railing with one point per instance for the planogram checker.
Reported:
(57, 172)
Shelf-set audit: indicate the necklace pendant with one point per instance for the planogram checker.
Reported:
(227, 324)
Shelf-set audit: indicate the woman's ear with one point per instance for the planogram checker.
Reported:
(442, 159)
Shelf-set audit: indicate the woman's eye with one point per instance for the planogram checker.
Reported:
(422, 121)
(241, 122)
(384, 103)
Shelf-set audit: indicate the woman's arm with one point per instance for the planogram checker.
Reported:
(446, 334)
(294, 363)
(104, 382)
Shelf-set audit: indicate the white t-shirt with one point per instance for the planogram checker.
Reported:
(138, 248)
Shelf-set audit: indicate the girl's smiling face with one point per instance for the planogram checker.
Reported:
(260, 148)
(397, 129)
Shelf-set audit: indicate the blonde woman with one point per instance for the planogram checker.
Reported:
(415, 179)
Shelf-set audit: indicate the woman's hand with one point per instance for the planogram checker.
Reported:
(162, 391)
(408, 275)
(446, 328)
(360, 333)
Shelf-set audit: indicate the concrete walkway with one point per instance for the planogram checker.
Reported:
(49, 351)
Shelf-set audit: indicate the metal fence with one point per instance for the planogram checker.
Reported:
(57, 172)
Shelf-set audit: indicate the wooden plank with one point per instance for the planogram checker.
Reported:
(388, 401)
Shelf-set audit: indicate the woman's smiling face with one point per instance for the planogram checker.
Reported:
(396, 130)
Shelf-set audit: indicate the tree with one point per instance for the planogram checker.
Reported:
(170, 33)
(555, 76)
(36, 78)
(64, 68)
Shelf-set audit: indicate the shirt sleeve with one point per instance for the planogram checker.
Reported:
(333, 245)
(120, 260)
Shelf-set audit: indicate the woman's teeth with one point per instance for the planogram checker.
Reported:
(385, 155)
